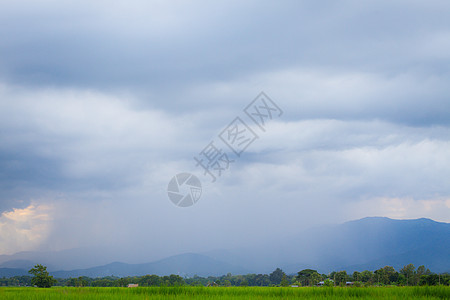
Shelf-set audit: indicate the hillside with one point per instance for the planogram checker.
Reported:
(369, 243)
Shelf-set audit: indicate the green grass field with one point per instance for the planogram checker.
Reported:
(185, 292)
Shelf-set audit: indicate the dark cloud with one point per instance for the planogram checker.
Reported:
(101, 105)
(99, 48)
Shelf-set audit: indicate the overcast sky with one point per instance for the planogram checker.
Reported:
(101, 103)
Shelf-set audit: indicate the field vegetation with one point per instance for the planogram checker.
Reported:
(200, 292)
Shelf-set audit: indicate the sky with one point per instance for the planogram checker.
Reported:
(102, 103)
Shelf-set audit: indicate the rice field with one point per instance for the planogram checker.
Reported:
(187, 292)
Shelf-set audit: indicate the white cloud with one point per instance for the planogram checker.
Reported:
(90, 133)
(25, 229)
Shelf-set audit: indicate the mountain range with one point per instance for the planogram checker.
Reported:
(365, 244)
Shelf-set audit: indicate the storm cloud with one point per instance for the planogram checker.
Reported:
(101, 104)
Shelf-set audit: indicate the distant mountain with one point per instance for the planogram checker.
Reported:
(436, 259)
(9, 272)
(372, 243)
(365, 244)
(58, 260)
(369, 243)
(184, 265)
(396, 243)
(18, 264)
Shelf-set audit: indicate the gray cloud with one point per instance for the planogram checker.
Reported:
(101, 105)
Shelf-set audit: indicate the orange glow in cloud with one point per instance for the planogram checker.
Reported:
(24, 229)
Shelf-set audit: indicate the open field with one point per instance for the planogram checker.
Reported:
(185, 292)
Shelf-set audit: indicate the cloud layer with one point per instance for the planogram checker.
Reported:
(101, 104)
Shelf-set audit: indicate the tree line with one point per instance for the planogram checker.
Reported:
(407, 276)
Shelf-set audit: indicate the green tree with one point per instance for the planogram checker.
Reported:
(262, 280)
(421, 271)
(315, 278)
(356, 276)
(71, 282)
(341, 277)
(328, 283)
(391, 274)
(176, 280)
(82, 281)
(308, 277)
(409, 271)
(41, 277)
(366, 276)
(103, 282)
(150, 280)
(121, 282)
(276, 276)
(284, 281)
(386, 275)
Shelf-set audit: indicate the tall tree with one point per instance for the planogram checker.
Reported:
(409, 271)
(356, 276)
(276, 276)
(41, 277)
(421, 271)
